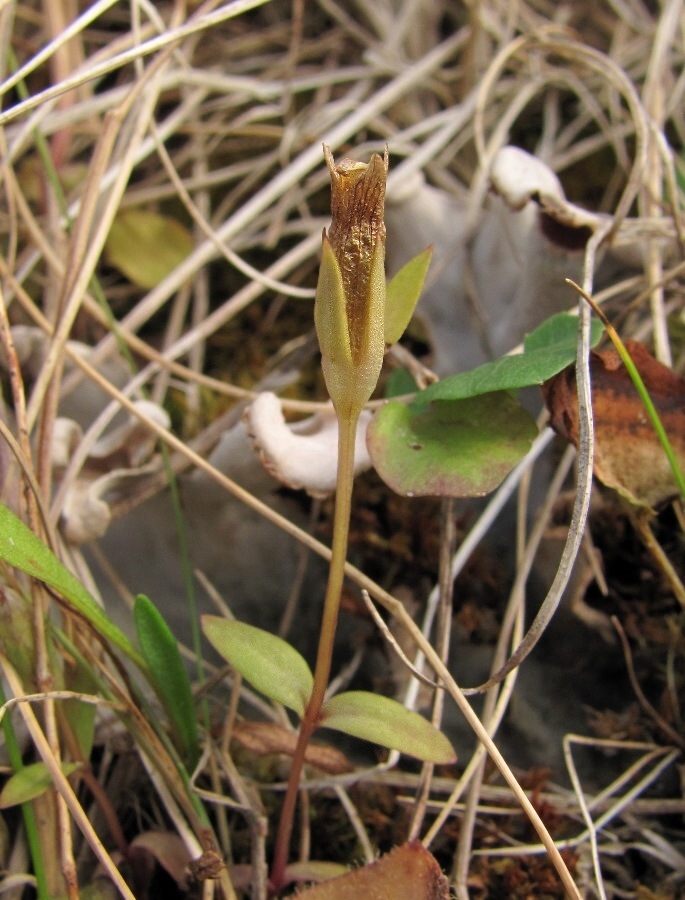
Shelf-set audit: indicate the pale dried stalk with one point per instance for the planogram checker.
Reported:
(498, 22)
(650, 195)
(282, 182)
(393, 606)
(161, 42)
(86, 245)
(61, 783)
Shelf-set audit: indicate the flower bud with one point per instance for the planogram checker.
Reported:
(350, 298)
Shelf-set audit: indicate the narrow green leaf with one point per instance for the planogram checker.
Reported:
(371, 327)
(458, 448)
(386, 722)
(20, 547)
(403, 294)
(30, 782)
(168, 674)
(647, 402)
(330, 314)
(268, 662)
(547, 350)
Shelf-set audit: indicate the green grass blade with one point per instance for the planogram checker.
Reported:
(21, 548)
(640, 387)
(168, 675)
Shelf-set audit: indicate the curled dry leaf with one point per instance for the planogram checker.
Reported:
(519, 178)
(66, 436)
(409, 872)
(528, 239)
(163, 847)
(85, 515)
(131, 443)
(628, 455)
(303, 454)
(264, 738)
(114, 466)
(30, 345)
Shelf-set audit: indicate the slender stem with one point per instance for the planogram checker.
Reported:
(28, 810)
(341, 525)
(347, 431)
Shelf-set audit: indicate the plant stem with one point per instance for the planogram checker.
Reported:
(347, 432)
(28, 811)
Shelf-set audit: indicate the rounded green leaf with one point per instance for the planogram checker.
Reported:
(386, 722)
(459, 448)
(146, 246)
(268, 662)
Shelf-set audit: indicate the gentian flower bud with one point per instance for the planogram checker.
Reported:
(349, 312)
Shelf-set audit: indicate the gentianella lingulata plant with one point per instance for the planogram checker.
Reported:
(357, 316)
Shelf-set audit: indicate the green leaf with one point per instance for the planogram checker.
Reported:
(386, 722)
(330, 314)
(559, 333)
(168, 675)
(268, 662)
(459, 448)
(17, 637)
(30, 782)
(146, 246)
(399, 382)
(79, 715)
(21, 548)
(546, 351)
(403, 294)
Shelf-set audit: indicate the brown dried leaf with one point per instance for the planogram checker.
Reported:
(164, 847)
(409, 872)
(264, 738)
(628, 455)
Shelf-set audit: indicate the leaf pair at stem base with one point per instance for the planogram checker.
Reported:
(279, 672)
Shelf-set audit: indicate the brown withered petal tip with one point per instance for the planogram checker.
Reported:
(357, 225)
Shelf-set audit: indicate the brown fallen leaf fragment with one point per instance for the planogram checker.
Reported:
(164, 848)
(409, 872)
(628, 455)
(264, 738)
